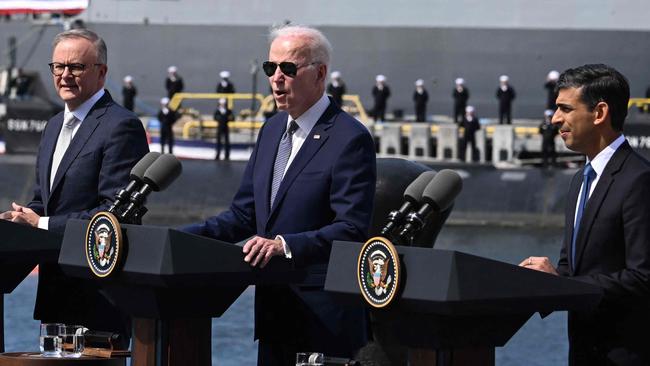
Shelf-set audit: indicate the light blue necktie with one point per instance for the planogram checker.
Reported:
(588, 175)
(281, 159)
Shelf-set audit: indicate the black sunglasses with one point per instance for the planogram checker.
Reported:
(290, 69)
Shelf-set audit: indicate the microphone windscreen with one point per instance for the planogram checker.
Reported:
(413, 192)
(138, 170)
(163, 172)
(443, 189)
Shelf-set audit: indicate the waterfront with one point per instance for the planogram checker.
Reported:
(539, 342)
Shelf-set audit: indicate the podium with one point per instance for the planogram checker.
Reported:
(459, 304)
(22, 247)
(172, 283)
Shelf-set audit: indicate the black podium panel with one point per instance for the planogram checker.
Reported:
(451, 299)
(168, 273)
(22, 247)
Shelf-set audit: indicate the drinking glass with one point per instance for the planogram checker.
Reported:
(72, 340)
(50, 339)
(309, 359)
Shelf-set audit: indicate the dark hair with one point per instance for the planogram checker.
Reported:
(599, 83)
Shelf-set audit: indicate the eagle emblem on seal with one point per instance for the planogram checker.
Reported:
(103, 249)
(377, 277)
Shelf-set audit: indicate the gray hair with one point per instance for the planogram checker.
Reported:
(97, 41)
(319, 47)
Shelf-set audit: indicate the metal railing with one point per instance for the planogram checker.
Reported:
(252, 119)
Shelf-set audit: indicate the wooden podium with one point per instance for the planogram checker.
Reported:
(459, 305)
(22, 247)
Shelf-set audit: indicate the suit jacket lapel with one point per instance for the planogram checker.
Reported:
(267, 150)
(598, 197)
(45, 161)
(312, 144)
(80, 138)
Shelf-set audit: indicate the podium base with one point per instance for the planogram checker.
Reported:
(483, 356)
(186, 341)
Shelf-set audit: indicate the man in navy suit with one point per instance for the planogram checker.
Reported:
(85, 156)
(607, 235)
(295, 200)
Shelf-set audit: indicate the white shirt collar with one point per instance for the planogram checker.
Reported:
(599, 162)
(308, 119)
(82, 111)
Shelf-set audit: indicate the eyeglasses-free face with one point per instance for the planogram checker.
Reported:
(290, 69)
(75, 69)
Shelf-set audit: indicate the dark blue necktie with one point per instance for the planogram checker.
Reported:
(588, 175)
(282, 158)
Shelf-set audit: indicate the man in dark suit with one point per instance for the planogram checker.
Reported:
(225, 86)
(470, 125)
(607, 236)
(222, 116)
(309, 181)
(85, 156)
(551, 90)
(420, 99)
(129, 92)
(336, 88)
(167, 117)
(173, 82)
(505, 94)
(461, 96)
(380, 94)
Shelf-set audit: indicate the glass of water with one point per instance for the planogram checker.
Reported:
(309, 359)
(72, 340)
(50, 340)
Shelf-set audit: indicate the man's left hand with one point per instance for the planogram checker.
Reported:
(261, 250)
(24, 215)
(542, 264)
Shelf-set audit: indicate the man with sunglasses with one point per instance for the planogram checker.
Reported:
(309, 181)
(85, 157)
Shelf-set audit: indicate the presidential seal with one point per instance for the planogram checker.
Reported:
(103, 244)
(378, 272)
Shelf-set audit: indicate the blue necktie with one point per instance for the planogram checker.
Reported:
(588, 175)
(281, 159)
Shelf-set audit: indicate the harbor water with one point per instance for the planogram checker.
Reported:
(538, 342)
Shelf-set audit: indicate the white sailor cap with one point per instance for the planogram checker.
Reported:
(172, 69)
(504, 78)
(380, 78)
(164, 101)
(224, 74)
(128, 79)
(469, 109)
(460, 81)
(335, 74)
(554, 75)
(548, 113)
(419, 82)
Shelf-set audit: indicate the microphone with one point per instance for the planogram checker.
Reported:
(412, 196)
(136, 176)
(157, 177)
(437, 196)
